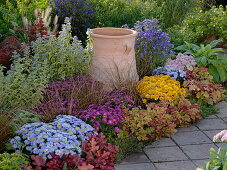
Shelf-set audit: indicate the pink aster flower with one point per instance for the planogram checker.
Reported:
(116, 129)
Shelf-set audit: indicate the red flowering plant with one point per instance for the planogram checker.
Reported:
(199, 85)
(38, 27)
(7, 47)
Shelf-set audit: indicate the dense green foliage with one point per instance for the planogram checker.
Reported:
(65, 55)
(116, 13)
(22, 117)
(201, 26)
(23, 84)
(208, 23)
(171, 12)
(9, 18)
(12, 161)
(27, 7)
(217, 159)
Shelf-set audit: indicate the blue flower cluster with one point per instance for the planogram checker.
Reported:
(171, 71)
(63, 136)
(80, 11)
(152, 43)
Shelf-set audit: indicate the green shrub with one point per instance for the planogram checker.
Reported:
(65, 55)
(178, 35)
(208, 23)
(116, 13)
(9, 18)
(27, 7)
(22, 117)
(24, 83)
(171, 12)
(12, 161)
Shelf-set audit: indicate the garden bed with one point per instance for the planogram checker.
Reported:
(55, 115)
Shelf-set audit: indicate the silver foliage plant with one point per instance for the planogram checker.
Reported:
(49, 58)
(65, 54)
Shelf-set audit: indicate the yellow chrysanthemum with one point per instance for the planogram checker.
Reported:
(159, 87)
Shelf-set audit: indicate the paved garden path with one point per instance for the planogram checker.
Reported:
(185, 150)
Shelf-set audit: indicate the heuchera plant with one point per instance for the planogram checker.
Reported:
(13, 161)
(99, 153)
(32, 31)
(149, 124)
(184, 113)
(160, 119)
(200, 86)
(182, 61)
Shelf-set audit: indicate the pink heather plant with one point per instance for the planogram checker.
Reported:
(183, 62)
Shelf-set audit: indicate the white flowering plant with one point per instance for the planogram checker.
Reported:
(62, 136)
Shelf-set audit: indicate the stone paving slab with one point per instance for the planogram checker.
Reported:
(161, 143)
(141, 166)
(177, 165)
(188, 138)
(200, 163)
(222, 104)
(220, 145)
(211, 133)
(212, 117)
(137, 157)
(225, 119)
(211, 124)
(198, 151)
(188, 129)
(165, 154)
(222, 114)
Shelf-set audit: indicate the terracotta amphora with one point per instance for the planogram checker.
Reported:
(114, 56)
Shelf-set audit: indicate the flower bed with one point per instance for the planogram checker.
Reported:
(63, 119)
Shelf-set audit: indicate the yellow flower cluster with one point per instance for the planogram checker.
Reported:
(159, 87)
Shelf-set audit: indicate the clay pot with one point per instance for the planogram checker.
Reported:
(114, 56)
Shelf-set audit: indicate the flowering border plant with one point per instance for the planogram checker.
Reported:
(62, 136)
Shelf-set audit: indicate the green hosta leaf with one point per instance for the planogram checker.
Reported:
(181, 48)
(214, 43)
(222, 72)
(203, 61)
(208, 47)
(214, 50)
(225, 165)
(194, 46)
(213, 71)
(214, 62)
